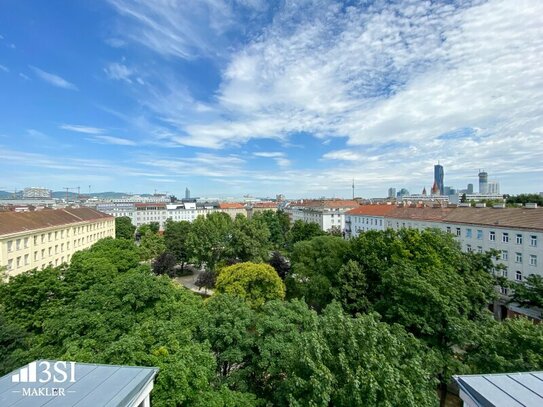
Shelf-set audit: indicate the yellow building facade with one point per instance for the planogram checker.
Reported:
(44, 238)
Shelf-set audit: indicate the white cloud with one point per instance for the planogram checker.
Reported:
(22, 75)
(184, 29)
(4, 68)
(114, 140)
(270, 154)
(119, 71)
(52, 79)
(82, 129)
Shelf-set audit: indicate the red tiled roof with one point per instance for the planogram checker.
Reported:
(14, 222)
(327, 203)
(424, 213)
(231, 205)
(150, 205)
(371, 210)
(497, 217)
(265, 205)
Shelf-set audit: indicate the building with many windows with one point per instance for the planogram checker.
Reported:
(366, 217)
(328, 213)
(38, 239)
(516, 233)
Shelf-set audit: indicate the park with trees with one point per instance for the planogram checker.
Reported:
(297, 317)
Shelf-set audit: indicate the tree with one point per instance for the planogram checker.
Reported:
(514, 345)
(352, 288)
(464, 198)
(315, 265)
(280, 264)
(164, 264)
(206, 279)
(530, 292)
(526, 198)
(278, 224)
(151, 246)
(248, 240)
(208, 239)
(302, 231)
(154, 226)
(124, 229)
(175, 238)
(255, 283)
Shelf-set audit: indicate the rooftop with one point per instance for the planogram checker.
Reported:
(502, 390)
(371, 210)
(231, 205)
(15, 222)
(93, 385)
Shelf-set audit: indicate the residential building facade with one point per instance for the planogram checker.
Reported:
(365, 218)
(328, 214)
(44, 238)
(516, 233)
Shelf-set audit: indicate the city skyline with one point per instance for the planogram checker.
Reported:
(252, 97)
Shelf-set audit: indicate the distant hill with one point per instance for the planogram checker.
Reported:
(62, 194)
(6, 194)
(72, 195)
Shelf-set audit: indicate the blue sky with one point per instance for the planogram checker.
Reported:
(258, 97)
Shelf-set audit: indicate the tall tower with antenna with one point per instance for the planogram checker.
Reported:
(353, 189)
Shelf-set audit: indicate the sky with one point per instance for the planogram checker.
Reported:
(259, 97)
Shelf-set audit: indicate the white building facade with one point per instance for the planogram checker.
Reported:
(328, 214)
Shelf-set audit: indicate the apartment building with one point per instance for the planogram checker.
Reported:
(517, 233)
(38, 239)
(366, 217)
(232, 208)
(256, 207)
(327, 214)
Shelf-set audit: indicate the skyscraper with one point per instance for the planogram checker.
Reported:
(438, 178)
(187, 193)
(483, 182)
(470, 188)
(392, 192)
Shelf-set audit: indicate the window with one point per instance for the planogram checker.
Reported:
(505, 237)
(468, 248)
(26, 242)
(533, 240)
(504, 273)
(56, 235)
(448, 229)
(479, 234)
(479, 249)
(468, 233)
(518, 258)
(518, 275)
(505, 255)
(18, 261)
(42, 253)
(492, 236)
(49, 236)
(533, 260)
(18, 244)
(10, 264)
(26, 259)
(43, 237)
(519, 239)
(458, 232)
(35, 256)
(35, 240)
(10, 245)
(503, 290)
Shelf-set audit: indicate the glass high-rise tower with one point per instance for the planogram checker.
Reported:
(438, 178)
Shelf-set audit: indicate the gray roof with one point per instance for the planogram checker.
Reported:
(95, 385)
(502, 390)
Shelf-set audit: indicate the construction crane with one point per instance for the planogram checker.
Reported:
(68, 189)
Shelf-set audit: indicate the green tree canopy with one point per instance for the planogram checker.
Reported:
(151, 246)
(175, 238)
(315, 266)
(530, 292)
(302, 231)
(255, 283)
(124, 229)
(248, 240)
(208, 239)
(278, 224)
